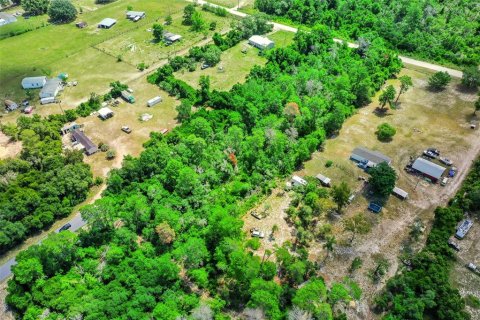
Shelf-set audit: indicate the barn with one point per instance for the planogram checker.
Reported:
(428, 169)
(260, 42)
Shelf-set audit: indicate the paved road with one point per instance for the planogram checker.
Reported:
(405, 60)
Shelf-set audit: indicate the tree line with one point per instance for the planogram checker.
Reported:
(441, 31)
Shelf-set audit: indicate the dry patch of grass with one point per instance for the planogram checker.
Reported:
(9, 149)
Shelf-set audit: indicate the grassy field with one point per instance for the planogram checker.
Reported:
(65, 48)
(236, 65)
(137, 46)
(423, 119)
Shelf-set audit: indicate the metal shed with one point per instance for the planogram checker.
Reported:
(324, 180)
(105, 113)
(429, 169)
(402, 194)
(463, 229)
(260, 42)
(107, 23)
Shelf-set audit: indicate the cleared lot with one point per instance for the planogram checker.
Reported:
(423, 120)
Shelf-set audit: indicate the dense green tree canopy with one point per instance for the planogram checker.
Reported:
(62, 11)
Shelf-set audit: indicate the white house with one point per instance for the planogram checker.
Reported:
(261, 43)
(51, 88)
(297, 181)
(34, 82)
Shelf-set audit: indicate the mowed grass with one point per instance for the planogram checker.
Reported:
(138, 46)
(65, 48)
(236, 65)
(126, 114)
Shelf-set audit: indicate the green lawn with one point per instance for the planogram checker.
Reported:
(137, 45)
(236, 65)
(65, 48)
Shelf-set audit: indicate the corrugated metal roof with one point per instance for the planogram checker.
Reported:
(429, 168)
(400, 192)
(372, 156)
(50, 88)
(262, 41)
(108, 22)
(79, 136)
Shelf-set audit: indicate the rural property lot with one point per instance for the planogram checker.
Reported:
(65, 48)
(423, 119)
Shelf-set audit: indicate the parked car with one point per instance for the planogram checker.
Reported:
(453, 245)
(205, 66)
(257, 233)
(446, 161)
(65, 227)
(472, 267)
(429, 154)
(126, 129)
(434, 151)
(444, 181)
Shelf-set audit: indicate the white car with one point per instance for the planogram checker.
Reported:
(257, 233)
(446, 161)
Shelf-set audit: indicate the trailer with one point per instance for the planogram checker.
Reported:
(324, 180)
(154, 101)
(402, 194)
(127, 96)
(47, 100)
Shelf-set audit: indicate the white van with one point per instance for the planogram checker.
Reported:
(444, 181)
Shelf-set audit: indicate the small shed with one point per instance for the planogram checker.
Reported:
(171, 37)
(135, 15)
(260, 42)
(51, 88)
(402, 194)
(324, 180)
(33, 82)
(428, 169)
(107, 23)
(80, 137)
(105, 113)
(10, 105)
(297, 181)
(81, 24)
(154, 101)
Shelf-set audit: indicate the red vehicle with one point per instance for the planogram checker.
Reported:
(28, 110)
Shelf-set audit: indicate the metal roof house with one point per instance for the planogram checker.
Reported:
(34, 82)
(372, 158)
(429, 169)
(80, 137)
(402, 194)
(324, 180)
(51, 88)
(105, 113)
(135, 15)
(260, 42)
(171, 37)
(107, 23)
(463, 229)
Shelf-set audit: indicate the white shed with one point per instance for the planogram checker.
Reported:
(260, 42)
(34, 82)
(154, 101)
(105, 113)
(402, 194)
(324, 180)
(297, 181)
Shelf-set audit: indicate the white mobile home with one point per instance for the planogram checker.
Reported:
(51, 88)
(154, 101)
(402, 194)
(297, 181)
(34, 82)
(324, 180)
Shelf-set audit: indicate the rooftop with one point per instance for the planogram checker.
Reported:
(104, 112)
(79, 136)
(108, 22)
(135, 13)
(428, 168)
(51, 86)
(372, 156)
(264, 41)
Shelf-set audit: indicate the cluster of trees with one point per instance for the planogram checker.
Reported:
(59, 11)
(165, 241)
(43, 184)
(430, 29)
(193, 18)
(423, 289)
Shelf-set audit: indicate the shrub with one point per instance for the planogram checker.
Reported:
(103, 147)
(471, 77)
(329, 163)
(439, 80)
(111, 154)
(62, 11)
(142, 66)
(385, 132)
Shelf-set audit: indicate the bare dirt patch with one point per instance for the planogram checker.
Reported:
(423, 119)
(8, 148)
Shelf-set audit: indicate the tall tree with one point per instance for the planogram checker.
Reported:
(382, 179)
(188, 12)
(387, 96)
(357, 224)
(157, 32)
(340, 194)
(62, 11)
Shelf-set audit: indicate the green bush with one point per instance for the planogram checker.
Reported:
(329, 163)
(385, 132)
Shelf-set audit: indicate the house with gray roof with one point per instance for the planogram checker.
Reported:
(80, 137)
(107, 23)
(34, 82)
(369, 157)
(51, 88)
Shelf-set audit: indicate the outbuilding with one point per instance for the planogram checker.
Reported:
(297, 181)
(368, 157)
(135, 15)
(51, 88)
(323, 180)
(80, 137)
(107, 23)
(260, 42)
(34, 82)
(463, 229)
(171, 37)
(105, 113)
(10, 105)
(154, 101)
(69, 128)
(402, 194)
(428, 169)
